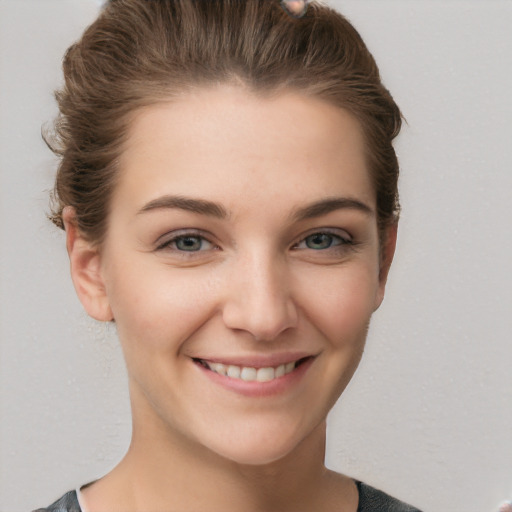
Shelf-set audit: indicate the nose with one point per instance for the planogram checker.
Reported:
(259, 299)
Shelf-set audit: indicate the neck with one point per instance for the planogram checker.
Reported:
(162, 471)
(194, 478)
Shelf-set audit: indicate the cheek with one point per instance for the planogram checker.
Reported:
(159, 308)
(342, 304)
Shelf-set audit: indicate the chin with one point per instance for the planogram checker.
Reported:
(255, 455)
(264, 446)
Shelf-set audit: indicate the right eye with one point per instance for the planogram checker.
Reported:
(187, 243)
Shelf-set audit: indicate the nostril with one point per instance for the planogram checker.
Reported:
(259, 300)
(265, 321)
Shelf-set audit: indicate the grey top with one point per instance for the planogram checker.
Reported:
(370, 500)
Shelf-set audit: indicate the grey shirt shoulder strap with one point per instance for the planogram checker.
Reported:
(373, 500)
(68, 503)
(370, 500)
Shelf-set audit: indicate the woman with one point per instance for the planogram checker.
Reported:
(228, 189)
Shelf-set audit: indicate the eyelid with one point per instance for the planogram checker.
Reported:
(165, 240)
(337, 232)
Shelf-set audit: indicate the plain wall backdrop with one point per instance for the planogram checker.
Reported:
(428, 416)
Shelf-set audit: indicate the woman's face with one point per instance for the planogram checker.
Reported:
(241, 265)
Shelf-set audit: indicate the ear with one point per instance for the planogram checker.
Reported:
(85, 261)
(386, 257)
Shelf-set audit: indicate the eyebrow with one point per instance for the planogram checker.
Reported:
(328, 205)
(200, 206)
(212, 209)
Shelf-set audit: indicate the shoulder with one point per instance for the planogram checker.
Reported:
(373, 500)
(370, 500)
(68, 503)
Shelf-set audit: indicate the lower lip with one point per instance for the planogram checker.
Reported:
(259, 389)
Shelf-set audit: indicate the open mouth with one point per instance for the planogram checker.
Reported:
(250, 374)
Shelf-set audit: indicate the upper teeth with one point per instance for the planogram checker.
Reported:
(251, 374)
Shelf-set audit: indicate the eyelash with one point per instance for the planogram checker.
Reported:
(342, 241)
(168, 243)
(338, 242)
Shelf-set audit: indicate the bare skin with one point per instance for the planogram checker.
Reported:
(298, 483)
(231, 243)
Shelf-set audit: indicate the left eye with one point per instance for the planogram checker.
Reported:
(321, 241)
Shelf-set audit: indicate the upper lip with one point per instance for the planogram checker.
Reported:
(259, 360)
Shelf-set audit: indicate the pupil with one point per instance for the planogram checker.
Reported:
(189, 243)
(319, 241)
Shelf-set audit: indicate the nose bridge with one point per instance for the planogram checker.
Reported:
(259, 297)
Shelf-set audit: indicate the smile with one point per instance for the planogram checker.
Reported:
(250, 374)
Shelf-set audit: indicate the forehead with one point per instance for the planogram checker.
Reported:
(227, 139)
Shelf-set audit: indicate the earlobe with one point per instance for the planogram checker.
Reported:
(85, 263)
(386, 258)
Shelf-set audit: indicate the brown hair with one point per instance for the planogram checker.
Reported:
(140, 52)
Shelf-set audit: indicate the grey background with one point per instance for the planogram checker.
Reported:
(428, 416)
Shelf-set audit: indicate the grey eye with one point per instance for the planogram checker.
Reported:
(320, 241)
(189, 243)
(186, 243)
